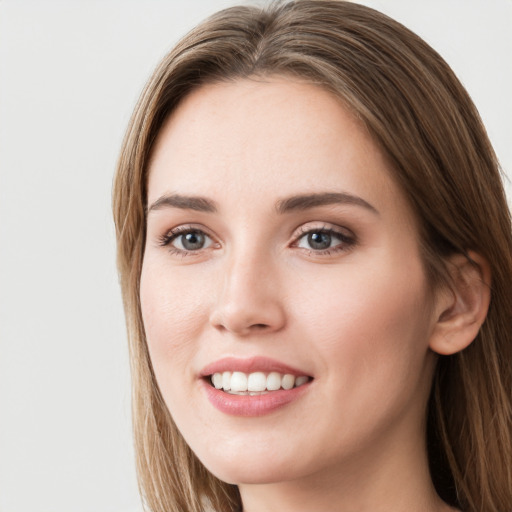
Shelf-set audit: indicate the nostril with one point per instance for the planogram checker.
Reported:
(243, 317)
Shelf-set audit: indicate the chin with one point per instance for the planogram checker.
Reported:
(250, 473)
(256, 466)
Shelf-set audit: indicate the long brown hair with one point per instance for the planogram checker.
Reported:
(423, 119)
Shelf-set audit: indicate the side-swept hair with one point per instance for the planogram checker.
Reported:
(422, 118)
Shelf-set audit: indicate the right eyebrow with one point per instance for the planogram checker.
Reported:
(197, 203)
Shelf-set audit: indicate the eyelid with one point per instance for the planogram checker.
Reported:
(312, 226)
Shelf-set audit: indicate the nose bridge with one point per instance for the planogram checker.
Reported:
(248, 298)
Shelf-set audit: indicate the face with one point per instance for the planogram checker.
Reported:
(282, 263)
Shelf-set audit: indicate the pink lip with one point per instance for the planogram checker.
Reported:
(253, 364)
(247, 405)
(256, 405)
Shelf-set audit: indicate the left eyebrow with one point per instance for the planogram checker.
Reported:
(306, 201)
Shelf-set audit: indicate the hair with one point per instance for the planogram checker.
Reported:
(423, 119)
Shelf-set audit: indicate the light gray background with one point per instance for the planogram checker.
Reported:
(70, 73)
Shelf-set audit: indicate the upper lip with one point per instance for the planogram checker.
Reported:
(250, 365)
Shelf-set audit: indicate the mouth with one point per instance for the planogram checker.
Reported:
(255, 383)
(253, 386)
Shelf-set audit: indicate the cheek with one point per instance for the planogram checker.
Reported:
(173, 311)
(368, 332)
(373, 320)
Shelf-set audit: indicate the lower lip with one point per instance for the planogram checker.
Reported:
(255, 405)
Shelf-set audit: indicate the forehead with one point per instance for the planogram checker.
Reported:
(261, 138)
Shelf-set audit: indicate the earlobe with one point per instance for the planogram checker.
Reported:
(462, 306)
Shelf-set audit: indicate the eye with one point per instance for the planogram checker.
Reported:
(324, 240)
(186, 240)
(192, 241)
(317, 240)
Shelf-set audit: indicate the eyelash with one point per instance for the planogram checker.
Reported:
(169, 237)
(347, 242)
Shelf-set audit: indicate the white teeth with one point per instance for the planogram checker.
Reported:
(217, 380)
(274, 381)
(226, 380)
(255, 383)
(301, 380)
(238, 381)
(288, 381)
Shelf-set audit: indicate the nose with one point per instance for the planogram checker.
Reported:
(249, 299)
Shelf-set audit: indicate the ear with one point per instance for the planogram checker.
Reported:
(461, 307)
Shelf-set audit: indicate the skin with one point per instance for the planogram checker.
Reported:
(358, 317)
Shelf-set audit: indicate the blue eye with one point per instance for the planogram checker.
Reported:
(192, 241)
(319, 241)
(187, 240)
(324, 240)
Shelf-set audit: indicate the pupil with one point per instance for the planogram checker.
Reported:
(319, 240)
(193, 241)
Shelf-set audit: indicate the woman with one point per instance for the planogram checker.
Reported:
(315, 257)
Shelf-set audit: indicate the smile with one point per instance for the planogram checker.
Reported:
(253, 386)
(255, 383)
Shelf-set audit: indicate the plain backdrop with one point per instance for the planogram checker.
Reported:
(70, 73)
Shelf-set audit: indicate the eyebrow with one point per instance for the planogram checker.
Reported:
(293, 203)
(306, 201)
(199, 204)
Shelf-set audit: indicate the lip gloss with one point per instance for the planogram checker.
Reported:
(251, 405)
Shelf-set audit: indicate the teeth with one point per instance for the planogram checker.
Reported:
(217, 380)
(226, 380)
(256, 383)
(238, 381)
(301, 380)
(274, 381)
(288, 382)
